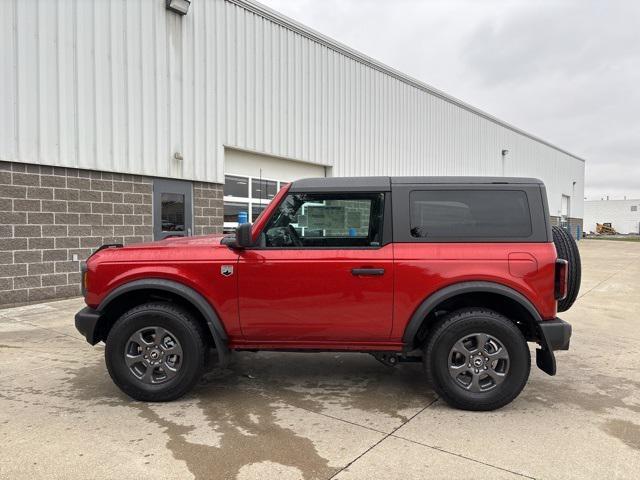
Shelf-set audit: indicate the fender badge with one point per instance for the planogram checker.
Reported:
(226, 270)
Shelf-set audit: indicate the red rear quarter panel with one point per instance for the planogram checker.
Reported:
(424, 268)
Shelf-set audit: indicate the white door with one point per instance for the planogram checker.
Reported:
(252, 180)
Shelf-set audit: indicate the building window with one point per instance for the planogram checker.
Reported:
(233, 209)
(236, 186)
(263, 189)
(172, 208)
(256, 210)
(238, 197)
(634, 208)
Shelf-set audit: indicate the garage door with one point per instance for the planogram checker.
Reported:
(252, 180)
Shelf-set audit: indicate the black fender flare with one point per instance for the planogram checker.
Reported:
(198, 301)
(451, 291)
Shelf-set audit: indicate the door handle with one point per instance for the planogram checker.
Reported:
(371, 272)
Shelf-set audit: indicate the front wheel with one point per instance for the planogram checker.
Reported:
(476, 359)
(155, 352)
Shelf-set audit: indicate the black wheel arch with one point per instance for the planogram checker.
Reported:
(511, 303)
(112, 304)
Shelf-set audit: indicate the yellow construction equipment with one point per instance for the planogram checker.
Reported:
(605, 229)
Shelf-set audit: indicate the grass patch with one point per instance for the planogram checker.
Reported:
(618, 239)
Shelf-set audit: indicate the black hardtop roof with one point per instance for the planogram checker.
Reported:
(364, 184)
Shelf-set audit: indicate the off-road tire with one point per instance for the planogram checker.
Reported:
(455, 326)
(182, 325)
(567, 249)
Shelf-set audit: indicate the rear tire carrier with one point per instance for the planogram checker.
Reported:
(567, 249)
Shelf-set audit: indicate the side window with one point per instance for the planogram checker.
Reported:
(326, 220)
(469, 214)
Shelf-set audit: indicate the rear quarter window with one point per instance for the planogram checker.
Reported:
(469, 214)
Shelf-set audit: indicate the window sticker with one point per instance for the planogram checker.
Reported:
(354, 218)
(302, 220)
(325, 217)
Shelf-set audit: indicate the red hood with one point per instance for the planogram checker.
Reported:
(206, 240)
(177, 248)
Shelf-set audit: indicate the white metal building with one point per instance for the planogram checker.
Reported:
(623, 215)
(133, 92)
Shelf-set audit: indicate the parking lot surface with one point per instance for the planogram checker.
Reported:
(330, 415)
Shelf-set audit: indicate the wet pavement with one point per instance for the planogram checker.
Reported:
(330, 415)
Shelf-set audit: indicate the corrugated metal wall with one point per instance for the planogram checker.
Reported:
(121, 86)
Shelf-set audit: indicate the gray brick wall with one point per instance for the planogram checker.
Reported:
(207, 208)
(48, 215)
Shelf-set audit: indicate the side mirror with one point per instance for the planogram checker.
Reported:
(242, 238)
(243, 235)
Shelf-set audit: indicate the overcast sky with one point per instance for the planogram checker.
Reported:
(565, 70)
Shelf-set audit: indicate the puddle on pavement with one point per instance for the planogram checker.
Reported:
(243, 441)
(243, 405)
(610, 394)
(321, 382)
(625, 431)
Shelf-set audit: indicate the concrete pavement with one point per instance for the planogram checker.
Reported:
(332, 415)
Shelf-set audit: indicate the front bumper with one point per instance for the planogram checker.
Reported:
(554, 335)
(87, 321)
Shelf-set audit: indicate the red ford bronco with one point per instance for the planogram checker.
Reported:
(457, 272)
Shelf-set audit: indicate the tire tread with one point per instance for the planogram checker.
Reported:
(567, 249)
(174, 391)
(451, 320)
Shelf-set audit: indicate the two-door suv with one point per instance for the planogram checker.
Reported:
(457, 272)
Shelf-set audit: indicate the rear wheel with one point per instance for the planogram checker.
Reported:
(155, 352)
(567, 249)
(477, 359)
